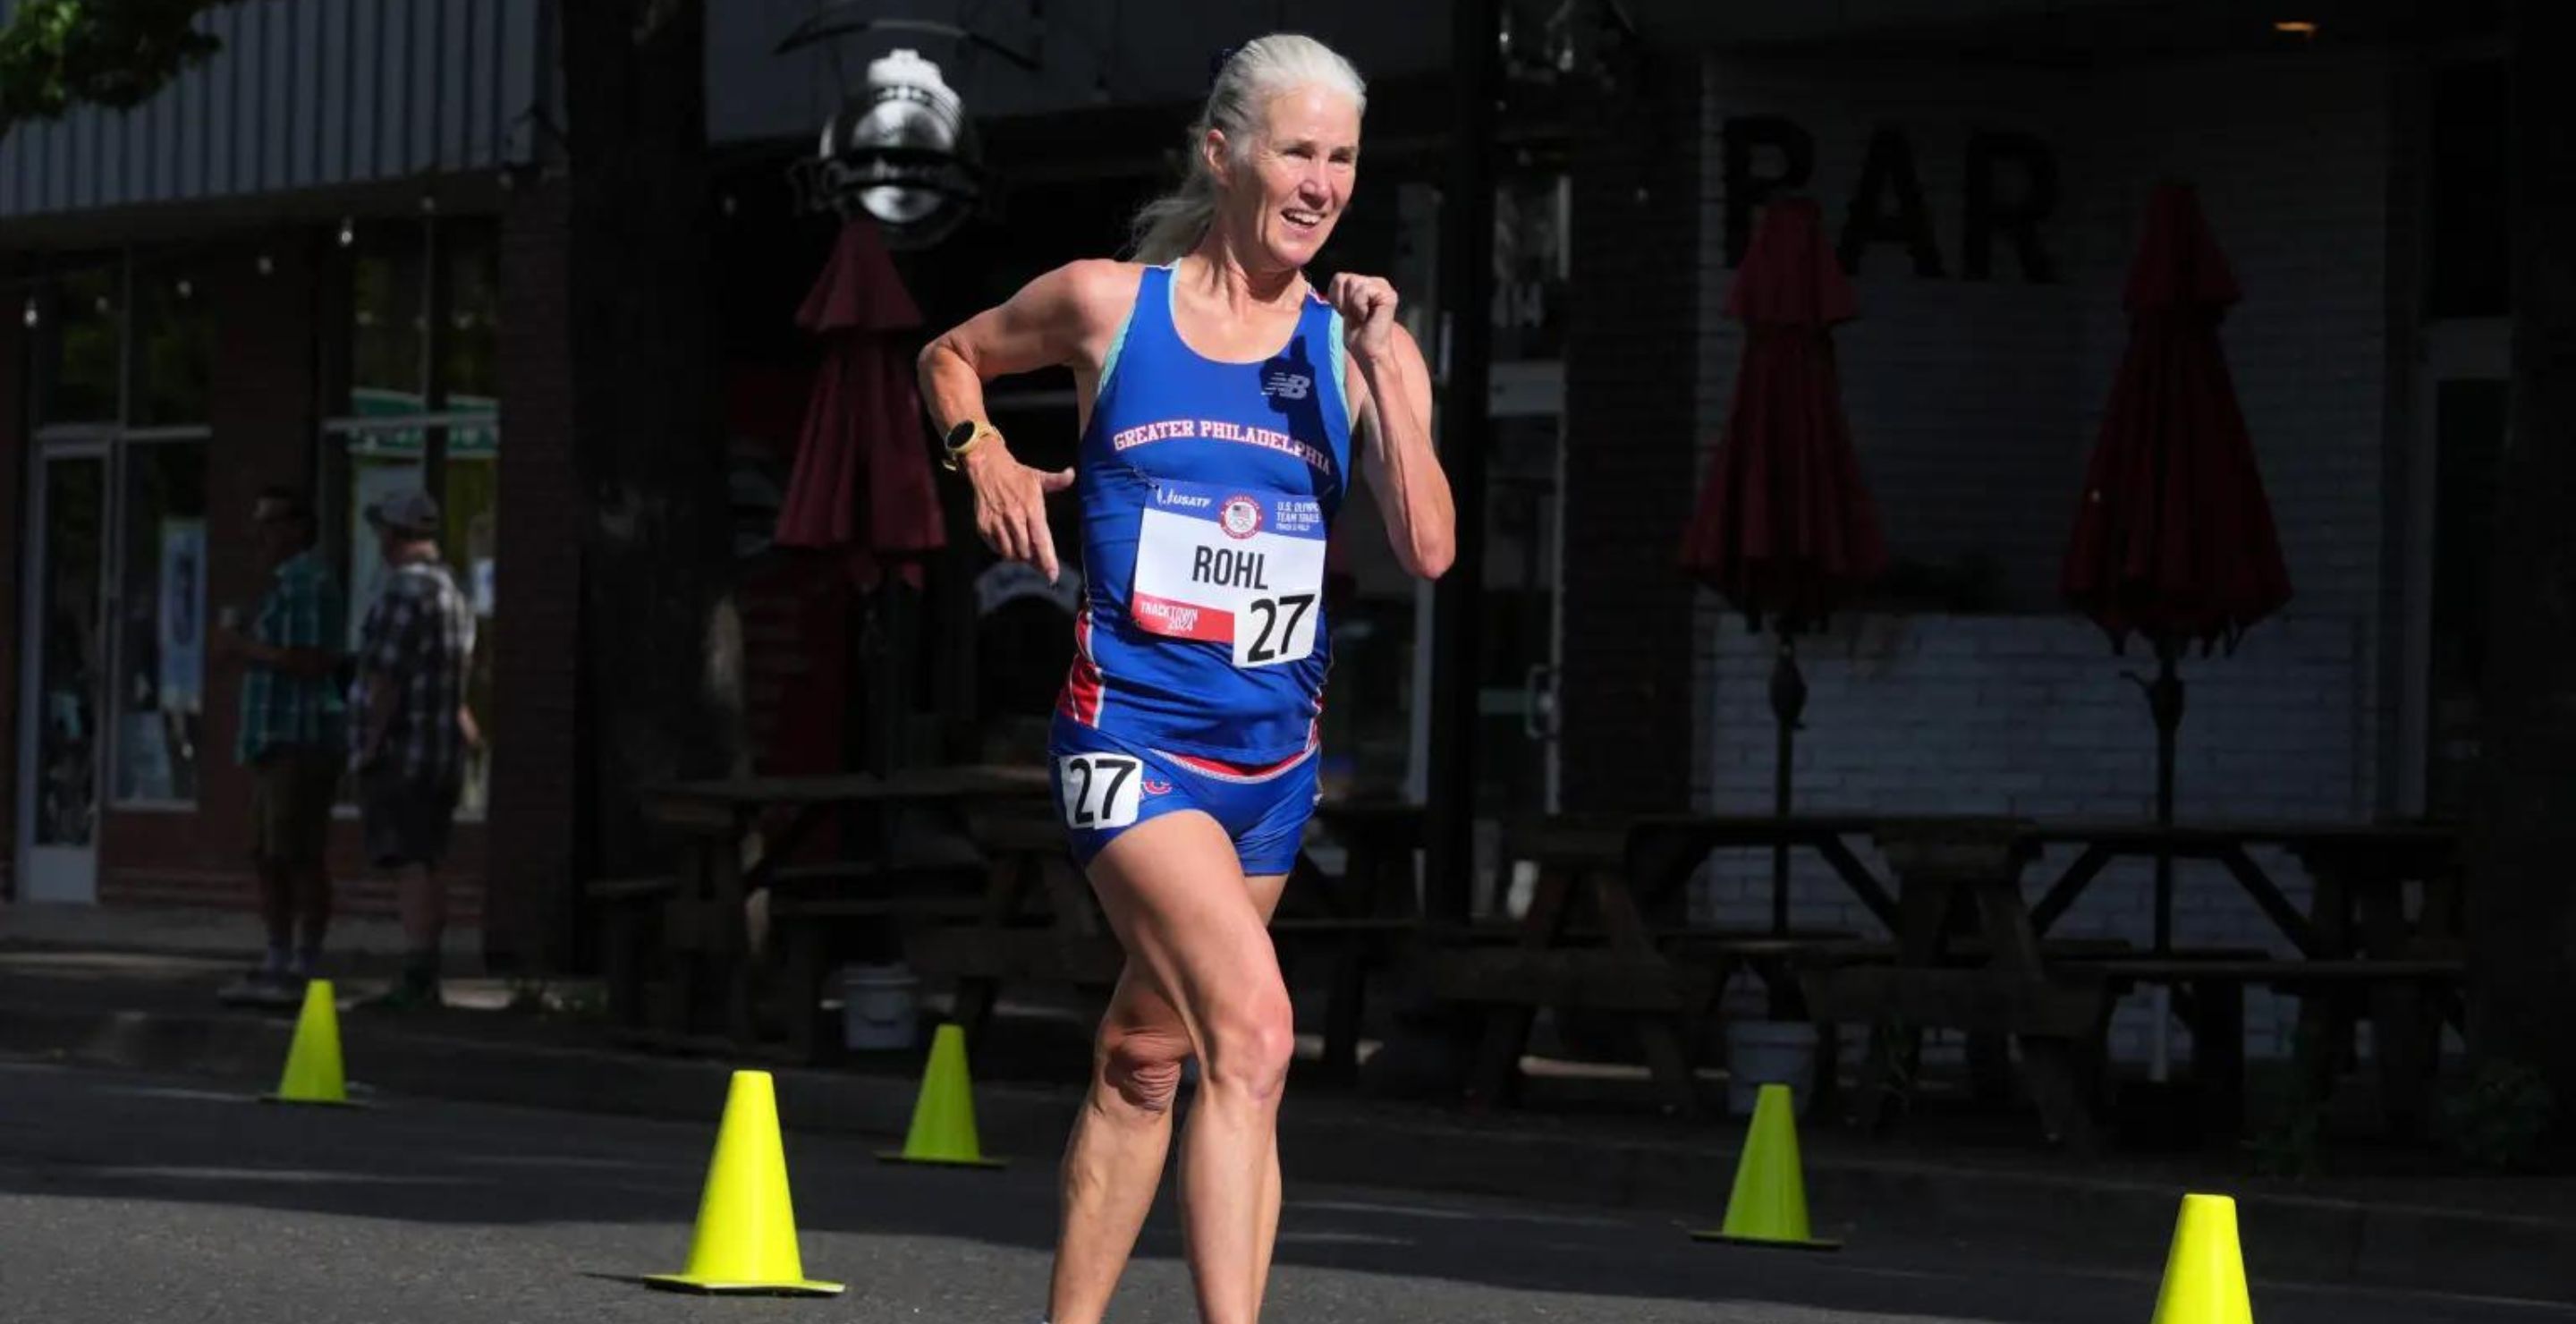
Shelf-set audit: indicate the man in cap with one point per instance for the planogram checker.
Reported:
(411, 729)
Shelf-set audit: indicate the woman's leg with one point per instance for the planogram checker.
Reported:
(1174, 892)
(1113, 1163)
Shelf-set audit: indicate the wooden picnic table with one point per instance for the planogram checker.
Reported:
(706, 921)
(987, 936)
(1628, 870)
(2361, 952)
(1970, 951)
(1665, 849)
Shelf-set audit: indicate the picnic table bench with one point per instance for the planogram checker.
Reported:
(697, 925)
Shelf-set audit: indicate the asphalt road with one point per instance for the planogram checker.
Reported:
(133, 1200)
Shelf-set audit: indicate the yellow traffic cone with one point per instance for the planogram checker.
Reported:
(2205, 1270)
(746, 1238)
(313, 1058)
(943, 1115)
(1769, 1205)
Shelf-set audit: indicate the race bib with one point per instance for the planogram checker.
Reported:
(1099, 790)
(1233, 566)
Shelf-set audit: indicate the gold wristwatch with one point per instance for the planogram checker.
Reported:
(965, 437)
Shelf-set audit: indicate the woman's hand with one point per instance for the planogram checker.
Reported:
(1010, 504)
(1367, 306)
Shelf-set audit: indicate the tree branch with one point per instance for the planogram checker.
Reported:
(56, 55)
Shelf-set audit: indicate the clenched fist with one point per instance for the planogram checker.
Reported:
(1367, 306)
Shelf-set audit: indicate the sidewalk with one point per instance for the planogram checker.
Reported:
(358, 943)
(113, 989)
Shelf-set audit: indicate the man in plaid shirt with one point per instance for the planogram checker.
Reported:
(412, 729)
(289, 737)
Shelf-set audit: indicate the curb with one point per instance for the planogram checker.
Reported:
(2068, 1221)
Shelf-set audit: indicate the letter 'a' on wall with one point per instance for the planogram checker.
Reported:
(2010, 193)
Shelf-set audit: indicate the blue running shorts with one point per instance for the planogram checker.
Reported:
(1105, 786)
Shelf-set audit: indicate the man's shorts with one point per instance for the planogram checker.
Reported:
(292, 788)
(406, 821)
(1104, 786)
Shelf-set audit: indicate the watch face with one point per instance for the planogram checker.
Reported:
(961, 434)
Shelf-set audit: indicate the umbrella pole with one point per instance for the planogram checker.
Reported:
(1788, 702)
(2165, 701)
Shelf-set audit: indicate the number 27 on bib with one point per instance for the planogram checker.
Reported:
(1244, 569)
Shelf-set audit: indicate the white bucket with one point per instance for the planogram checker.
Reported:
(1760, 1053)
(879, 1007)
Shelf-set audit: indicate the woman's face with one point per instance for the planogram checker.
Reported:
(1285, 194)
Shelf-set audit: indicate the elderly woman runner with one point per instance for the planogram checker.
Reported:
(1223, 399)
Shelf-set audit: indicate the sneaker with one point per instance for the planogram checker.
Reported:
(262, 988)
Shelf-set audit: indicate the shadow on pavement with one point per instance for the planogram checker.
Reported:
(98, 1136)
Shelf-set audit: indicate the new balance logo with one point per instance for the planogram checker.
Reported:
(1287, 385)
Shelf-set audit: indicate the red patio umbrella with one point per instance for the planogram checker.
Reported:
(862, 478)
(862, 481)
(1784, 527)
(2174, 540)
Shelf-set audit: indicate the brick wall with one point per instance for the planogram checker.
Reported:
(1973, 406)
(1630, 405)
(535, 777)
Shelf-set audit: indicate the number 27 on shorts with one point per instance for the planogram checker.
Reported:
(1099, 790)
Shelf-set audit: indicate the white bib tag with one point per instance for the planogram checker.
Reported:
(1100, 790)
(1230, 566)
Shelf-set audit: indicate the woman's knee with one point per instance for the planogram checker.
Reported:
(1141, 1065)
(1250, 1045)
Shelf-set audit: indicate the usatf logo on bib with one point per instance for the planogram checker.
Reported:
(1240, 517)
(1286, 385)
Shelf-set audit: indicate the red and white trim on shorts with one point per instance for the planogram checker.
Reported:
(1220, 770)
(1085, 691)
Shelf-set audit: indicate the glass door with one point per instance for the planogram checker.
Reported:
(2462, 397)
(1524, 487)
(2468, 420)
(62, 747)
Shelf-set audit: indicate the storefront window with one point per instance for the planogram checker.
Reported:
(78, 355)
(421, 412)
(388, 325)
(174, 347)
(161, 620)
(469, 349)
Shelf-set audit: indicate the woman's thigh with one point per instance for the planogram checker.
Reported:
(1194, 928)
(1139, 1006)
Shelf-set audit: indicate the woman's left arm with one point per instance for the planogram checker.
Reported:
(1395, 419)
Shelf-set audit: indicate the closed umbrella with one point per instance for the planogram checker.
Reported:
(2174, 541)
(862, 480)
(1784, 528)
(861, 483)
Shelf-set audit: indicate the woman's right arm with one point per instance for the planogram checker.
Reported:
(1061, 319)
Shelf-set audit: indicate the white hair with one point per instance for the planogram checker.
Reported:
(1239, 106)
